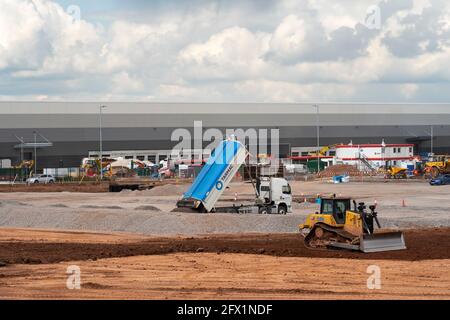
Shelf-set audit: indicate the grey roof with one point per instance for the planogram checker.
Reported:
(14, 115)
(19, 107)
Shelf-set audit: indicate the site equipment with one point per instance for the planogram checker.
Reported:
(337, 226)
(25, 164)
(272, 195)
(323, 151)
(440, 164)
(396, 173)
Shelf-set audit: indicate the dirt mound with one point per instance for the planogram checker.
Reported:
(166, 190)
(340, 169)
(147, 207)
(424, 244)
(90, 206)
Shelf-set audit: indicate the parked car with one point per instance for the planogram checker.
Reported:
(41, 178)
(440, 180)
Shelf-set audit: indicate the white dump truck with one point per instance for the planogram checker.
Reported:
(273, 195)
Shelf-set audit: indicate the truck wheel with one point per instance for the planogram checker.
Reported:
(282, 209)
(263, 210)
(36, 181)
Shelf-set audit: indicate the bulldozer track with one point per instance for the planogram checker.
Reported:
(333, 230)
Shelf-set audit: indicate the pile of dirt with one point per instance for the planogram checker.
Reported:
(166, 190)
(340, 169)
(147, 207)
(423, 244)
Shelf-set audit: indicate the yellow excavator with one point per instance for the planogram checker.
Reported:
(322, 152)
(337, 225)
(27, 164)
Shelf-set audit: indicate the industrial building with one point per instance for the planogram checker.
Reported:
(62, 133)
(374, 155)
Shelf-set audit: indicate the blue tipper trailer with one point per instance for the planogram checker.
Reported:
(215, 176)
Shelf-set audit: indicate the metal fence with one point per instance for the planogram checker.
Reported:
(14, 174)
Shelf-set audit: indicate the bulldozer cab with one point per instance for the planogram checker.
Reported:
(337, 207)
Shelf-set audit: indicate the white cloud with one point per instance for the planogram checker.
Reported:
(124, 83)
(288, 41)
(233, 53)
(282, 51)
(409, 90)
(269, 91)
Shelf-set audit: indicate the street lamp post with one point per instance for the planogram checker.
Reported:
(21, 149)
(318, 136)
(101, 142)
(35, 154)
(431, 140)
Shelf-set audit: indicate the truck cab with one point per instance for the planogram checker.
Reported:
(275, 192)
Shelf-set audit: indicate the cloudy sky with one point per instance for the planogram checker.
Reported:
(229, 50)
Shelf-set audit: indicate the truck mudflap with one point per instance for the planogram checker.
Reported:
(388, 241)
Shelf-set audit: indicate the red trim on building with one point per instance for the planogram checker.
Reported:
(374, 145)
(309, 157)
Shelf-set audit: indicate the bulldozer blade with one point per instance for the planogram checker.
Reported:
(388, 241)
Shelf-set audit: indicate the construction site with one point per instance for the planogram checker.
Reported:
(232, 230)
(210, 152)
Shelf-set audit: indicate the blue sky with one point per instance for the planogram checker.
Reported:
(267, 51)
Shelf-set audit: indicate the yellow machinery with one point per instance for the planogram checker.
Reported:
(338, 226)
(439, 165)
(396, 173)
(322, 152)
(27, 164)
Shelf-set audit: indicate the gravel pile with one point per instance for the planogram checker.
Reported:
(149, 212)
(166, 190)
(146, 221)
(150, 221)
(147, 207)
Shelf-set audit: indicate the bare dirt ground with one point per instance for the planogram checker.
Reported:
(131, 245)
(56, 187)
(256, 266)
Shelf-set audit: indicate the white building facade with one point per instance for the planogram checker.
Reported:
(375, 155)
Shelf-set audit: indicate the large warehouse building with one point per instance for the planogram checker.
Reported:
(66, 131)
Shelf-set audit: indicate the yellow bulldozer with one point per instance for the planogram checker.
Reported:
(337, 225)
(439, 165)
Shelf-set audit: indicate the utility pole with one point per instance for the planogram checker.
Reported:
(432, 136)
(101, 142)
(21, 150)
(35, 154)
(318, 136)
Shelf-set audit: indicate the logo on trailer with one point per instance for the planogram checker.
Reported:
(219, 185)
(227, 173)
